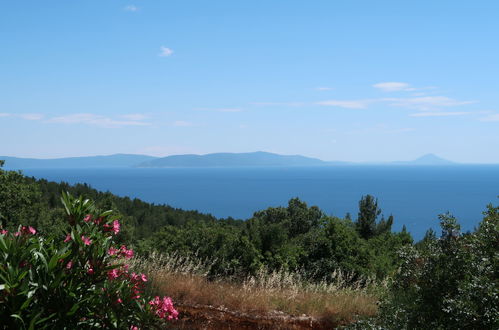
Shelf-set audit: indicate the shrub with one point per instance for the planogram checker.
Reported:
(80, 280)
(448, 283)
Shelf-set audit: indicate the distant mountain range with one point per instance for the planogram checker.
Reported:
(117, 160)
(250, 159)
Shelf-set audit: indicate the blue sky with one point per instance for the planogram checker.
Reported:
(339, 80)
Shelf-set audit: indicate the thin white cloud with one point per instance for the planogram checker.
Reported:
(422, 103)
(324, 88)
(95, 120)
(165, 51)
(31, 116)
(349, 104)
(4, 114)
(394, 87)
(285, 104)
(220, 109)
(425, 103)
(131, 8)
(493, 117)
(438, 114)
(182, 123)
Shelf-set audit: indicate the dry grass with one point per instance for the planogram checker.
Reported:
(186, 281)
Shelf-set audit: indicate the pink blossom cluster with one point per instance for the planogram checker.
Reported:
(114, 227)
(163, 308)
(121, 252)
(24, 231)
(137, 280)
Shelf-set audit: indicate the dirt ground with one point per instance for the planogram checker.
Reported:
(211, 318)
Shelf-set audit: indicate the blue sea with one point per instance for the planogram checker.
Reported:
(414, 195)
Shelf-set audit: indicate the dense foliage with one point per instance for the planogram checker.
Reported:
(446, 282)
(79, 280)
(296, 237)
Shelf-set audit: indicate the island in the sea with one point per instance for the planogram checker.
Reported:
(247, 159)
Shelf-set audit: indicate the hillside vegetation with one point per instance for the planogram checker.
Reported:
(289, 258)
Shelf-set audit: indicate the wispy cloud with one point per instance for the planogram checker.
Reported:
(182, 123)
(426, 103)
(165, 51)
(393, 86)
(493, 117)
(131, 8)
(438, 114)
(396, 86)
(25, 116)
(220, 109)
(349, 104)
(423, 103)
(95, 120)
(31, 116)
(285, 104)
(324, 88)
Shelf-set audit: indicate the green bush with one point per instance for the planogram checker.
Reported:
(80, 280)
(448, 283)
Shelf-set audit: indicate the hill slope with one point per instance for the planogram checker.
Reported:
(117, 160)
(249, 159)
(428, 159)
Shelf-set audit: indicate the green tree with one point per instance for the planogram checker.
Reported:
(368, 213)
(17, 198)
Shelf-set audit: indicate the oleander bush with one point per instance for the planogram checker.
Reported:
(80, 280)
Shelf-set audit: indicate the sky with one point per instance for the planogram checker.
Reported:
(337, 80)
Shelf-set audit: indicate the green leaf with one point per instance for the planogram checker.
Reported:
(3, 245)
(17, 317)
(33, 320)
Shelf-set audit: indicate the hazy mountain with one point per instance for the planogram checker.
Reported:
(250, 159)
(117, 160)
(233, 160)
(428, 159)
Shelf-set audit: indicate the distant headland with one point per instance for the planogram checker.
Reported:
(248, 159)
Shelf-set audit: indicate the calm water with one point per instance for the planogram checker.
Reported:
(414, 195)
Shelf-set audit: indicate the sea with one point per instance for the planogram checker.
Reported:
(414, 195)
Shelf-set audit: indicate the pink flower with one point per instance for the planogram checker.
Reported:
(143, 277)
(17, 234)
(116, 227)
(27, 230)
(90, 271)
(87, 218)
(4, 232)
(112, 251)
(68, 238)
(119, 301)
(164, 308)
(86, 240)
(69, 265)
(126, 253)
(133, 327)
(113, 274)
